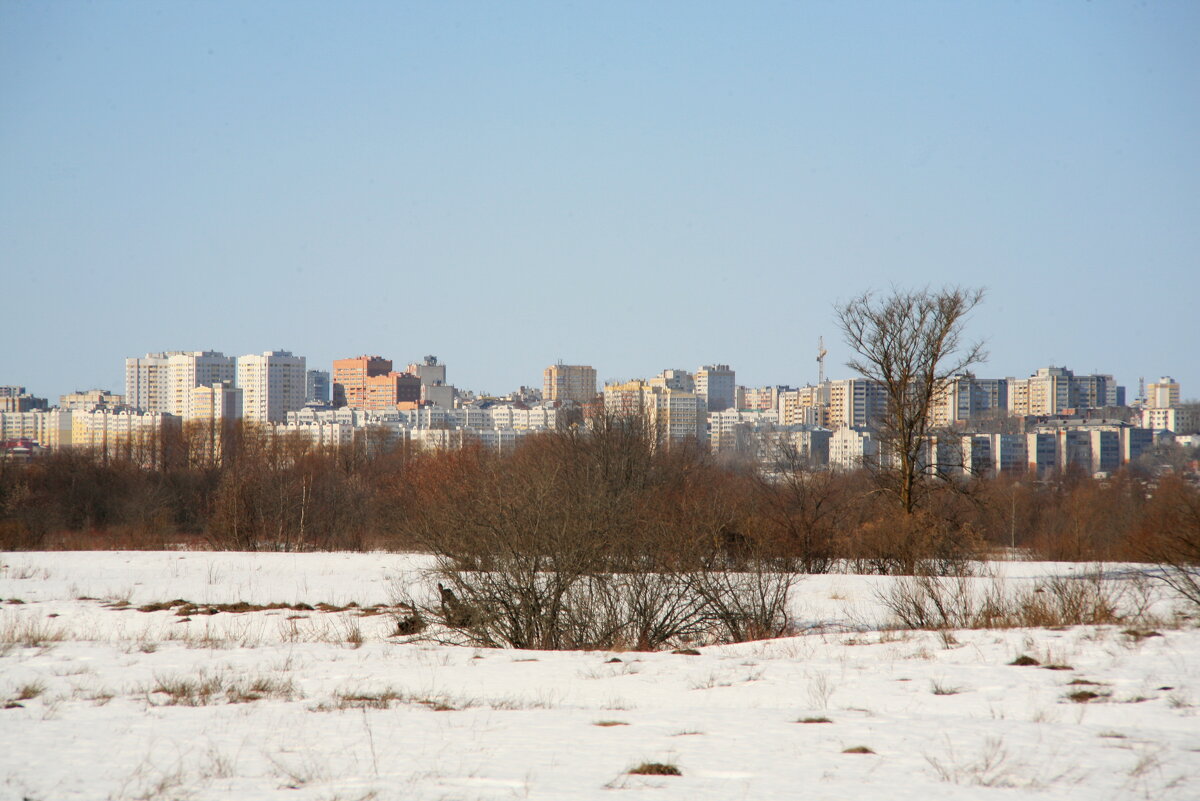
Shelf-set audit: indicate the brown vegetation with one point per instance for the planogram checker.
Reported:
(616, 493)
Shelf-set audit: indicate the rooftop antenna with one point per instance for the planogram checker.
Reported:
(821, 352)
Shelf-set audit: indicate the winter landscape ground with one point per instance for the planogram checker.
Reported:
(105, 701)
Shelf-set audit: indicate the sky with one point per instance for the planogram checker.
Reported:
(634, 186)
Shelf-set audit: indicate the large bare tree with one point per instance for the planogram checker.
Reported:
(911, 343)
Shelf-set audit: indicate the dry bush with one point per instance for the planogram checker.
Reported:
(936, 602)
(907, 545)
(1170, 536)
(596, 541)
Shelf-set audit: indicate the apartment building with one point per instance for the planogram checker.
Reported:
(186, 370)
(350, 379)
(132, 435)
(148, 381)
(965, 397)
(49, 428)
(716, 387)
(273, 383)
(16, 399)
(429, 372)
(90, 399)
(680, 380)
(1057, 390)
(1163, 393)
(850, 448)
(676, 415)
(569, 382)
(1176, 419)
(856, 403)
(318, 388)
(759, 398)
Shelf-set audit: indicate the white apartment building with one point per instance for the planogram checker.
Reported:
(733, 430)
(273, 383)
(188, 370)
(850, 447)
(148, 381)
(716, 387)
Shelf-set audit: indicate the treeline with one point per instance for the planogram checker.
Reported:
(614, 488)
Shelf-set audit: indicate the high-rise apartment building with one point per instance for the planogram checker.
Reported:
(385, 391)
(965, 397)
(148, 382)
(317, 387)
(350, 379)
(273, 383)
(807, 405)
(1163, 394)
(188, 370)
(681, 380)
(573, 382)
(856, 402)
(218, 402)
(676, 416)
(715, 385)
(429, 371)
(1057, 390)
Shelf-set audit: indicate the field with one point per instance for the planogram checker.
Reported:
(113, 687)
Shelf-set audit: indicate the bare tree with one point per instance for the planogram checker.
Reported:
(910, 342)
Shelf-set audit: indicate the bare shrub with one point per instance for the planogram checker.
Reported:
(1170, 536)
(935, 602)
(597, 541)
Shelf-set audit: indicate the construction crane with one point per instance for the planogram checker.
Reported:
(821, 360)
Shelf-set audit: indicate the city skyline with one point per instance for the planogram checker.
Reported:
(633, 188)
(1130, 393)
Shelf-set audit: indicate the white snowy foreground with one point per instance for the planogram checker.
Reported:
(102, 701)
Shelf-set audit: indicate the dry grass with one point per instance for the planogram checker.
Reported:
(655, 769)
(27, 632)
(203, 689)
(961, 602)
(30, 690)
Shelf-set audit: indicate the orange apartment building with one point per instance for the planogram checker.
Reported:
(368, 382)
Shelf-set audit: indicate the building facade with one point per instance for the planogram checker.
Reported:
(273, 383)
(569, 382)
(716, 387)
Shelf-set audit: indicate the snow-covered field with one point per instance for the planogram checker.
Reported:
(102, 700)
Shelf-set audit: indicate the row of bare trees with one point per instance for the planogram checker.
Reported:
(620, 487)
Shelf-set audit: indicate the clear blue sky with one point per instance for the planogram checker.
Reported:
(633, 186)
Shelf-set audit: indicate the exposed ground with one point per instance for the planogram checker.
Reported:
(224, 697)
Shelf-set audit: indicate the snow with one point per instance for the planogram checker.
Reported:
(349, 712)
